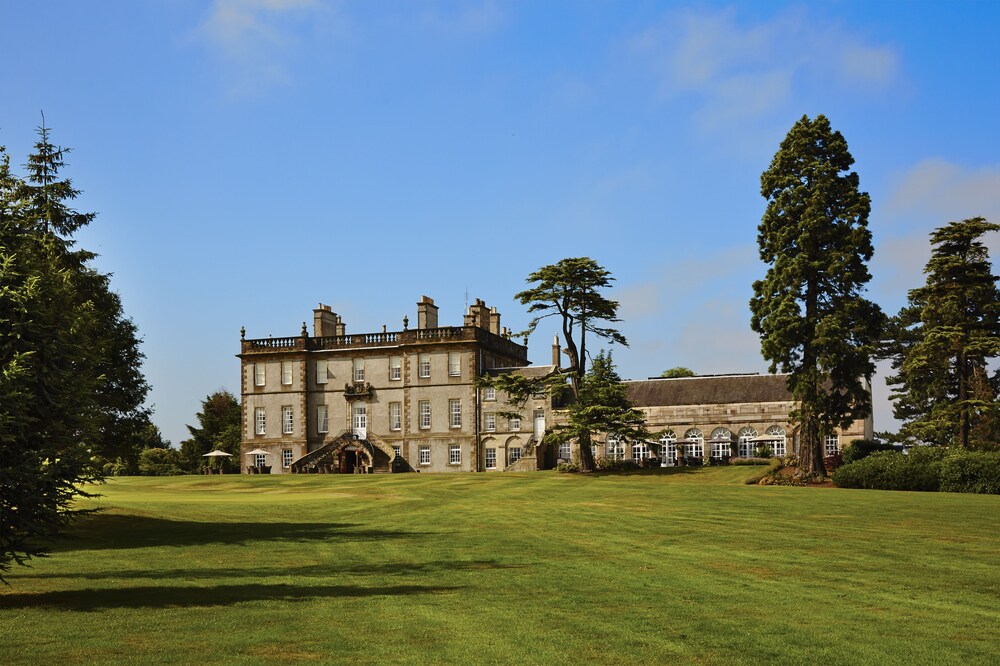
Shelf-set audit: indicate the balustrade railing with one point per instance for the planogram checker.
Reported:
(441, 334)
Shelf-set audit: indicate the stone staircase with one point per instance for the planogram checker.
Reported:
(324, 459)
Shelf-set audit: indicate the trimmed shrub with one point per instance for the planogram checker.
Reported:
(971, 472)
(891, 470)
(564, 466)
(773, 465)
(862, 448)
(749, 461)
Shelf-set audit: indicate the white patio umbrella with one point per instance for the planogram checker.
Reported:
(216, 454)
(258, 452)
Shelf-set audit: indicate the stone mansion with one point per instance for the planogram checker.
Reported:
(408, 401)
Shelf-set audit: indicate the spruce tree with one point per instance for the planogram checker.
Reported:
(809, 310)
(941, 341)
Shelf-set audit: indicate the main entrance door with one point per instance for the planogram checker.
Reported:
(360, 411)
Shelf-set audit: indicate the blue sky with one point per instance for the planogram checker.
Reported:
(251, 158)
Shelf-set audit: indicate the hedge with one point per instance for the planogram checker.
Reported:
(924, 468)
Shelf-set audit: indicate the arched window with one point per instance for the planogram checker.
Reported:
(695, 446)
(721, 440)
(746, 444)
(776, 438)
(668, 449)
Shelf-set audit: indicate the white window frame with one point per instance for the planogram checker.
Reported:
(489, 421)
(695, 449)
(831, 444)
(423, 366)
(259, 374)
(491, 458)
(455, 413)
(286, 458)
(746, 443)
(322, 372)
(322, 419)
(395, 368)
(395, 416)
(566, 451)
(260, 421)
(424, 414)
(455, 454)
(359, 370)
(397, 450)
(615, 448)
(668, 448)
(640, 448)
(454, 364)
(514, 424)
(260, 460)
(779, 444)
(513, 454)
(287, 420)
(424, 455)
(286, 373)
(489, 393)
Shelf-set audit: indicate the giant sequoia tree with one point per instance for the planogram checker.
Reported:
(69, 360)
(813, 320)
(941, 341)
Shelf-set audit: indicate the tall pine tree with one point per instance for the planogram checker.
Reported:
(941, 341)
(814, 323)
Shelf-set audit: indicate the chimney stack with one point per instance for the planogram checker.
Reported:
(556, 351)
(427, 313)
(324, 321)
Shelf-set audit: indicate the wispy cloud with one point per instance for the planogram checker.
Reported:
(463, 18)
(739, 69)
(255, 39)
(946, 191)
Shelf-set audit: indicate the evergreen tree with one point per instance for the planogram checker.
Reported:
(69, 360)
(570, 289)
(941, 341)
(602, 406)
(809, 310)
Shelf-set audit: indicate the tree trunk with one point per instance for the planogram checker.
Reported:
(586, 453)
(963, 397)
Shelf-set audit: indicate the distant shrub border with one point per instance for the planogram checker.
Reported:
(924, 469)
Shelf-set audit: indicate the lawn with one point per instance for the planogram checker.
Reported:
(686, 566)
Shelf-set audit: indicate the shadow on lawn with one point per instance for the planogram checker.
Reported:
(261, 572)
(108, 531)
(217, 595)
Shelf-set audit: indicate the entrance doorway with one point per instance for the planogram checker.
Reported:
(360, 425)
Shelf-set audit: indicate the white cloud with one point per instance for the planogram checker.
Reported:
(255, 38)
(467, 18)
(938, 189)
(740, 69)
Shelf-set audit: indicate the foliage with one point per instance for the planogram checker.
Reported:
(971, 472)
(892, 470)
(565, 466)
(70, 387)
(679, 371)
(750, 461)
(813, 320)
(160, 462)
(571, 290)
(862, 448)
(833, 461)
(605, 464)
(219, 423)
(941, 341)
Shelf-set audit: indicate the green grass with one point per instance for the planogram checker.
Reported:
(690, 566)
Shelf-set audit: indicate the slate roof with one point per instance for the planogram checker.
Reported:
(708, 390)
